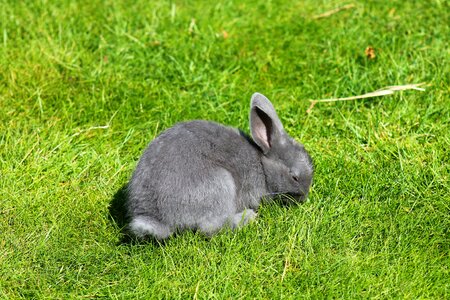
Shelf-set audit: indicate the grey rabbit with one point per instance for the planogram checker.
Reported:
(205, 176)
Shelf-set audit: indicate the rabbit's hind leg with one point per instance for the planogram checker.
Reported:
(243, 218)
(144, 226)
(211, 226)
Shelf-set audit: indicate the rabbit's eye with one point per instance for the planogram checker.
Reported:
(295, 178)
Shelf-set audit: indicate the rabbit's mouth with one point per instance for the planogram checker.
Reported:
(297, 197)
(288, 197)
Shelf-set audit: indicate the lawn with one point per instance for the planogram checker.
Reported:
(86, 85)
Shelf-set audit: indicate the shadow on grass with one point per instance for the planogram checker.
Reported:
(118, 213)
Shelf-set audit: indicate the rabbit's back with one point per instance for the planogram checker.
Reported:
(194, 169)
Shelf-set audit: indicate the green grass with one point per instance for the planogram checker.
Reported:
(85, 85)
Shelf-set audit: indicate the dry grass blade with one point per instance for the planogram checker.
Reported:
(333, 11)
(405, 87)
(381, 92)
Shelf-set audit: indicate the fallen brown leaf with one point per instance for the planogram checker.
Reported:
(225, 34)
(370, 52)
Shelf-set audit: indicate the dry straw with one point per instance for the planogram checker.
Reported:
(381, 92)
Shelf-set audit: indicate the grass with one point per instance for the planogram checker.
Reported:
(85, 85)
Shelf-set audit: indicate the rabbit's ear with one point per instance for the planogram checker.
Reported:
(265, 125)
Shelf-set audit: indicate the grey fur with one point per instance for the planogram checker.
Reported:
(205, 176)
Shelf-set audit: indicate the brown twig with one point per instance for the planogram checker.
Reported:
(333, 11)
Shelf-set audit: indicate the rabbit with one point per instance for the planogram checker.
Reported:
(204, 176)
